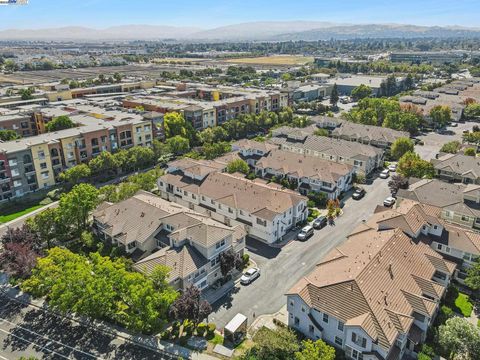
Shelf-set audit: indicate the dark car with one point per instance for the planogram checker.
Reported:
(358, 194)
(319, 222)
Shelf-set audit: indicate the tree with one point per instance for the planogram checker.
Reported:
(459, 339)
(47, 225)
(238, 165)
(441, 115)
(472, 111)
(159, 277)
(411, 165)
(18, 259)
(75, 206)
(451, 147)
(397, 182)
(400, 146)
(120, 192)
(321, 132)
(59, 123)
(362, 91)
(22, 235)
(140, 157)
(334, 97)
(190, 306)
(75, 174)
(408, 83)
(101, 288)
(230, 260)
(105, 163)
(473, 275)
(470, 152)
(8, 135)
(278, 344)
(174, 124)
(160, 149)
(26, 94)
(212, 151)
(178, 144)
(317, 350)
(147, 180)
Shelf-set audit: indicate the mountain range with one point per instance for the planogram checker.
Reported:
(251, 31)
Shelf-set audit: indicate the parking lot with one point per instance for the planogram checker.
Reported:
(281, 268)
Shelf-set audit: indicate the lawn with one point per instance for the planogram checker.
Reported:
(217, 339)
(13, 216)
(463, 304)
(274, 60)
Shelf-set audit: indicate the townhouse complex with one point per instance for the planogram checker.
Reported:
(210, 106)
(375, 295)
(364, 158)
(452, 95)
(201, 186)
(157, 232)
(458, 168)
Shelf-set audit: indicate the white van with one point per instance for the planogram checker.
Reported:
(305, 233)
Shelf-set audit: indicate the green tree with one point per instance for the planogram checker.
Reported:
(473, 275)
(279, 344)
(321, 132)
(101, 288)
(459, 339)
(59, 123)
(76, 205)
(441, 115)
(174, 124)
(317, 350)
(472, 111)
(8, 135)
(147, 180)
(26, 94)
(470, 152)
(401, 146)
(178, 144)
(104, 164)
(411, 165)
(140, 157)
(212, 151)
(334, 97)
(238, 165)
(159, 276)
(451, 147)
(48, 225)
(361, 92)
(75, 174)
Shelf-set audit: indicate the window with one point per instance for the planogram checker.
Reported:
(41, 155)
(220, 244)
(132, 245)
(292, 302)
(340, 325)
(440, 275)
(311, 329)
(325, 318)
(465, 218)
(43, 165)
(439, 246)
(261, 222)
(338, 341)
(359, 340)
(418, 316)
(44, 175)
(297, 321)
(303, 309)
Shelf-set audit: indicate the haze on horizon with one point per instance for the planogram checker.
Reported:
(199, 14)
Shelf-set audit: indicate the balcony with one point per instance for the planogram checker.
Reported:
(4, 180)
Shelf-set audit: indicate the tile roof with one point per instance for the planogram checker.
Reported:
(460, 164)
(368, 132)
(376, 273)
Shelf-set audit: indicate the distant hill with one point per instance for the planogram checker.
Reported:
(251, 31)
(378, 31)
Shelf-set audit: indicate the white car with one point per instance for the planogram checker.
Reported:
(249, 275)
(392, 167)
(305, 233)
(389, 201)
(385, 174)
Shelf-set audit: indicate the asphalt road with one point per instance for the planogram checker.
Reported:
(26, 330)
(433, 141)
(282, 268)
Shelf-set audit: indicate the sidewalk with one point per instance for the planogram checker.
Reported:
(150, 342)
(270, 320)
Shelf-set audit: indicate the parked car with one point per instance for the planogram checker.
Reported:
(320, 222)
(385, 174)
(454, 124)
(389, 201)
(392, 167)
(358, 194)
(249, 275)
(305, 233)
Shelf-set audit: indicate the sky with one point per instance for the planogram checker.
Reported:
(213, 13)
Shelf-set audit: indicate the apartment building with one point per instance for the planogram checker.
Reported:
(430, 57)
(20, 121)
(458, 168)
(364, 158)
(34, 162)
(228, 198)
(157, 232)
(205, 107)
(374, 296)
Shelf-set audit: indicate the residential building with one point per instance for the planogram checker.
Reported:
(364, 158)
(458, 168)
(228, 198)
(374, 296)
(430, 57)
(308, 173)
(157, 232)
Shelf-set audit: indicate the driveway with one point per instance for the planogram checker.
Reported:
(282, 268)
(434, 142)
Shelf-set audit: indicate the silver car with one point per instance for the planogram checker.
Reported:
(250, 275)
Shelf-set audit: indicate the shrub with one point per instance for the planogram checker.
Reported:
(201, 329)
(212, 327)
(245, 259)
(165, 335)
(188, 327)
(311, 203)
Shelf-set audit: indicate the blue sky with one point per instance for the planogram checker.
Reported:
(212, 13)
